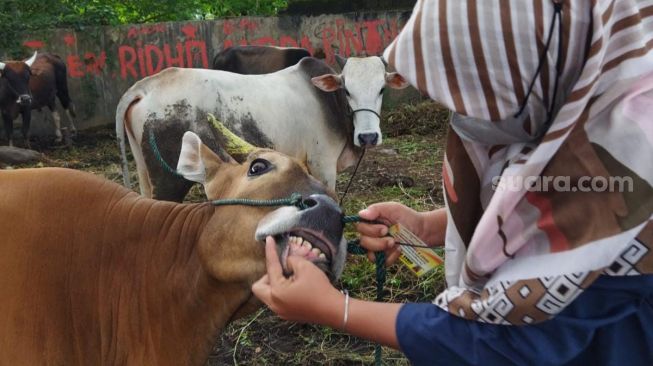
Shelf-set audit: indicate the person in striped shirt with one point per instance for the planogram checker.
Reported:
(548, 225)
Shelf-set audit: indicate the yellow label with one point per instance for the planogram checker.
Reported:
(417, 256)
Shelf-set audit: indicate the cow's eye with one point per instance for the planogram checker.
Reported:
(258, 167)
(382, 90)
(347, 92)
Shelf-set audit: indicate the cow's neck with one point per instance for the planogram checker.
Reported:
(169, 298)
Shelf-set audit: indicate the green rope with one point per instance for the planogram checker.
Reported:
(295, 199)
(354, 247)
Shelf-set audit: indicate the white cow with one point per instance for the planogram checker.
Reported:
(306, 111)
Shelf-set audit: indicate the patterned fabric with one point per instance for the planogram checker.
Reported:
(548, 189)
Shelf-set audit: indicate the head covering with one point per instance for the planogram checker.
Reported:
(548, 174)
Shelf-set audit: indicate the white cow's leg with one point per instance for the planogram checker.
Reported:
(57, 126)
(73, 129)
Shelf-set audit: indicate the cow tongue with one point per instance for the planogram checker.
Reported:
(304, 248)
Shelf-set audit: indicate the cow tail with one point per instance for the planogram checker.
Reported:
(121, 118)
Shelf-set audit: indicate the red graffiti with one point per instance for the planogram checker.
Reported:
(145, 30)
(265, 41)
(75, 66)
(34, 44)
(69, 39)
(227, 27)
(140, 58)
(248, 25)
(373, 42)
(140, 61)
(286, 41)
(189, 30)
(89, 64)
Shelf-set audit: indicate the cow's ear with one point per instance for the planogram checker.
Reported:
(395, 81)
(193, 157)
(328, 82)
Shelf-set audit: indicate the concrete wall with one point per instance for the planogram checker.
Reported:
(103, 62)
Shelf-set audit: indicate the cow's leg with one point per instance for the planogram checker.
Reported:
(57, 125)
(73, 129)
(9, 127)
(27, 119)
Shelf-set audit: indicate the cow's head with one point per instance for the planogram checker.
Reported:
(16, 76)
(364, 81)
(314, 232)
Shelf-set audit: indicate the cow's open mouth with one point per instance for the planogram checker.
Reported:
(307, 244)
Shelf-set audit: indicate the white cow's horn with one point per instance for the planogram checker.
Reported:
(31, 59)
(2, 66)
(235, 146)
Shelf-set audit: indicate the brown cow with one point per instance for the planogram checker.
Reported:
(15, 98)
(92, 273)
(47, 83)
(252, 60)
(34, 84)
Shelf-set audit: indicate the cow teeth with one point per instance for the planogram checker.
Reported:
(322, 256)
(316, 251)
(308, 244)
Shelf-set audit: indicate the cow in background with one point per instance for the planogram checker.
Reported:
(252, 60)
(48, 82)
(307, 111)
(15, 96)
(34, 84)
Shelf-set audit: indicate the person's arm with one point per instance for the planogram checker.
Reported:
(434, 227)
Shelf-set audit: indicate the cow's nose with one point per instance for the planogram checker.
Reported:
(368, 139)
(321, 202)
(24, 100)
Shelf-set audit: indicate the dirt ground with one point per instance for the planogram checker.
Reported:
(406, 168)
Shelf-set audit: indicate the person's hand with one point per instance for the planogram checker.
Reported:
(306, 296)
(374, 238)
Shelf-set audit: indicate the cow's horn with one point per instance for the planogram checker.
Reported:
(2, 66)
(31, 59)
(238, 148)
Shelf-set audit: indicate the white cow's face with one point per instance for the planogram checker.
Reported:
(364, 81)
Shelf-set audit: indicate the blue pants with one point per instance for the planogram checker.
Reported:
(611, 323)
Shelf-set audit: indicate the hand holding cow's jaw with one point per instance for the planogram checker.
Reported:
(289, 296)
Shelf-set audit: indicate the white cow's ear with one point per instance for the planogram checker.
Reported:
(191, 165)
(395, 81)
(328, 82)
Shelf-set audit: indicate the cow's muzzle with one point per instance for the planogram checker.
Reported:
(24, 100)
(368, 139)
(314, 233)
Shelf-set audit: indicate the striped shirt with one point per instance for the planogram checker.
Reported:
(552, 98)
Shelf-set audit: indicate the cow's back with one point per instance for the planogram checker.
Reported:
(252, 60)
(49, 80)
